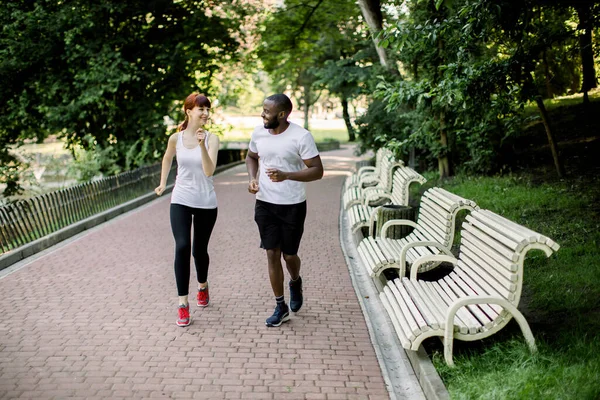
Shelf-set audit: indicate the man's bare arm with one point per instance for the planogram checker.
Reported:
(313, 172)
(252, 168)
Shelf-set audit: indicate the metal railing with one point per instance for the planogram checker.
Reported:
(27, 220)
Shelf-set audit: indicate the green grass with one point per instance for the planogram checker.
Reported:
(561, 298)
(320, 135)
(563, 102)
(323, 135)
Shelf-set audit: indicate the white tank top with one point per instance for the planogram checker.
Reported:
(192, 187)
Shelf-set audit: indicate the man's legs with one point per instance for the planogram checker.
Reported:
(282, 312)
(281, 228)
(292, 264)
(275, 271)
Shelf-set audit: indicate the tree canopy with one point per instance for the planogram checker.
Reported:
(446, 80)
(108, 69)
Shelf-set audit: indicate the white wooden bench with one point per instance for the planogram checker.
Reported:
(364, 214)
(356, 193)
(433, 233)
(478, 298)
(368, 175)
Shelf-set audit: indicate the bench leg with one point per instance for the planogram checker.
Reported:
(524, 328)
(449, 331)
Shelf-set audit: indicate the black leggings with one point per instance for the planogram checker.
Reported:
(181, 223)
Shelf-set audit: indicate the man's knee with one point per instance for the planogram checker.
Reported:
(273, 254)
(290, 258)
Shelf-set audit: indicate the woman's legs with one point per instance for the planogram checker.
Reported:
(204, 222)
(181, 223)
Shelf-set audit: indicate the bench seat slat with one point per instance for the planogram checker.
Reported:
(472, 324)
(487, 313)
(466, 320)
(443, 301)
(437, 305)
(409, 325)
(425, 309)
(398, 320)
(461, 292)
(401, 293)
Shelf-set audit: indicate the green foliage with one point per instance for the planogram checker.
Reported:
(108, 69)
(136, 157)
(305, 43)
(10, 173)
(93, 161)
(469, 67)
(380, 128)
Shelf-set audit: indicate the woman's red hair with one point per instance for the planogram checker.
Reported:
(193, 100)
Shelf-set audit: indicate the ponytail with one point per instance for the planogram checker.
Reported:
(183, 125)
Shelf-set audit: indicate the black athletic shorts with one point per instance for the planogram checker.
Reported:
(280, 225)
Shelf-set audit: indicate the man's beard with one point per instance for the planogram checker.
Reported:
(271, 124)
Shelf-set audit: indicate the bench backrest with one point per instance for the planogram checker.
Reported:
(437, 215)
(492, 253)
(388, 166)
(380, 155)
(402, 178)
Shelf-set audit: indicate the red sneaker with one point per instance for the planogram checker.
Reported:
(203, 297)
(184, 315)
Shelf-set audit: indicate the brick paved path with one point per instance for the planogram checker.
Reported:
(95, 316)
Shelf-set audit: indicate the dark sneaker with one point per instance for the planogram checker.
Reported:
(296, 295)
(203, 297)
(281, 315)
(184, 315)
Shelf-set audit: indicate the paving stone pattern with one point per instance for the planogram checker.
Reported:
(95, 317)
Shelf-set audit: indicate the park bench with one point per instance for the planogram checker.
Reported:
(433, 233)
(355, 193)
(364, 214)
(368, 175)
(481, 294)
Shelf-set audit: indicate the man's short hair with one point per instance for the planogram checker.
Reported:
(282, 102)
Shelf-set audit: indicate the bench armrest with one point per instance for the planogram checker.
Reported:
(365, 168)
(393, 222)
(368, 177)
(446, 257)
(372, 192)
(368, 198)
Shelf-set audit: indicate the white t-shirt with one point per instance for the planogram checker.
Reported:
(286, 152)
(192, 187)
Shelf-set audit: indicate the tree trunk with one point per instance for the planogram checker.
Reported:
(549, 91)
(585, 48)
(371, 12)
(307, 103)
(546, 119)
(346, 114)
(443, 161)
